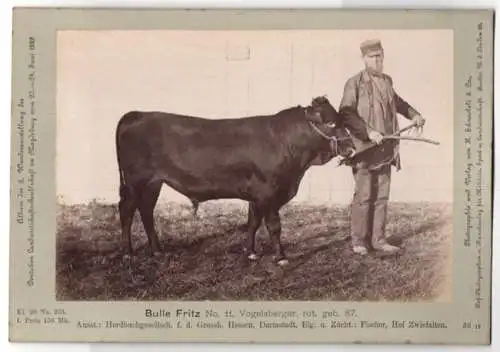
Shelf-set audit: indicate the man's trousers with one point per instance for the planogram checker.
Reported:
(369, 206)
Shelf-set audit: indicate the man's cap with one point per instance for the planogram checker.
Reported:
(370, 45)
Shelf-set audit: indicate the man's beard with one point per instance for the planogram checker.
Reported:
(376, 71)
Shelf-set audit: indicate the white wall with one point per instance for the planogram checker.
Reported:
(103, 74)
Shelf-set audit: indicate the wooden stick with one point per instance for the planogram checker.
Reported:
(393, 136)
(413, 139)
(404, 129)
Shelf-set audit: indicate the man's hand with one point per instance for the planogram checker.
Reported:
(352, 151)
(418, 120)
(375, 137)
(337, 160)
(419, 123)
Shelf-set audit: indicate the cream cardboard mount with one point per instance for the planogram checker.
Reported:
(317, 176)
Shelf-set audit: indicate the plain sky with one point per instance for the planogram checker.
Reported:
(217, 74)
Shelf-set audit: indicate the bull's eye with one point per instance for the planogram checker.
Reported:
(331, 124)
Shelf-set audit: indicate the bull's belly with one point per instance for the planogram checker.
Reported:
(217, 180)
(222, 184)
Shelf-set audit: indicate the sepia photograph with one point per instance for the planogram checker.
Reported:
(254, 165)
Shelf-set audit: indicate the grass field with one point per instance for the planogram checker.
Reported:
(203, 257)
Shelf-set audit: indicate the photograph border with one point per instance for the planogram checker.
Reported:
(33, 239)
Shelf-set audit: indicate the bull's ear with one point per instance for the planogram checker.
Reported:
(313, 115)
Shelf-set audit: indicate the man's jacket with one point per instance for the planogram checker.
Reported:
(379, 110)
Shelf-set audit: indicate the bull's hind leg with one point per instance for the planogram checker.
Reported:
(254, 221)
(147, 202)
(273, 225)
(127, 206)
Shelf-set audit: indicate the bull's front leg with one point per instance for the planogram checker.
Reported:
(254, 221)
(273, 225)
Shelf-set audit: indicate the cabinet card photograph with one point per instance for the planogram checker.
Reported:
(251, 176)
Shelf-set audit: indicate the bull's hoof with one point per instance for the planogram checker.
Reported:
(283, 262)
(253, 257)
(155, 251)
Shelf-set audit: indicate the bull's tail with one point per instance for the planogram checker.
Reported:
(120, 169)
(125, 119)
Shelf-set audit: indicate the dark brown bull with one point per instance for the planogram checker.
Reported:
(258, 159)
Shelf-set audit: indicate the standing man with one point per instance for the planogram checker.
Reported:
(371, 94)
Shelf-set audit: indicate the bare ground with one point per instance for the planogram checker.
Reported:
(203, 257)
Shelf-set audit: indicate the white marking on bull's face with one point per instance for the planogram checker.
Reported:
(331, 124)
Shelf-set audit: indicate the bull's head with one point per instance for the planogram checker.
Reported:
(327, 122)
(321, 112)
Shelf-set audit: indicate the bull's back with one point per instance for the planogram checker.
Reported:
(198, 157)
